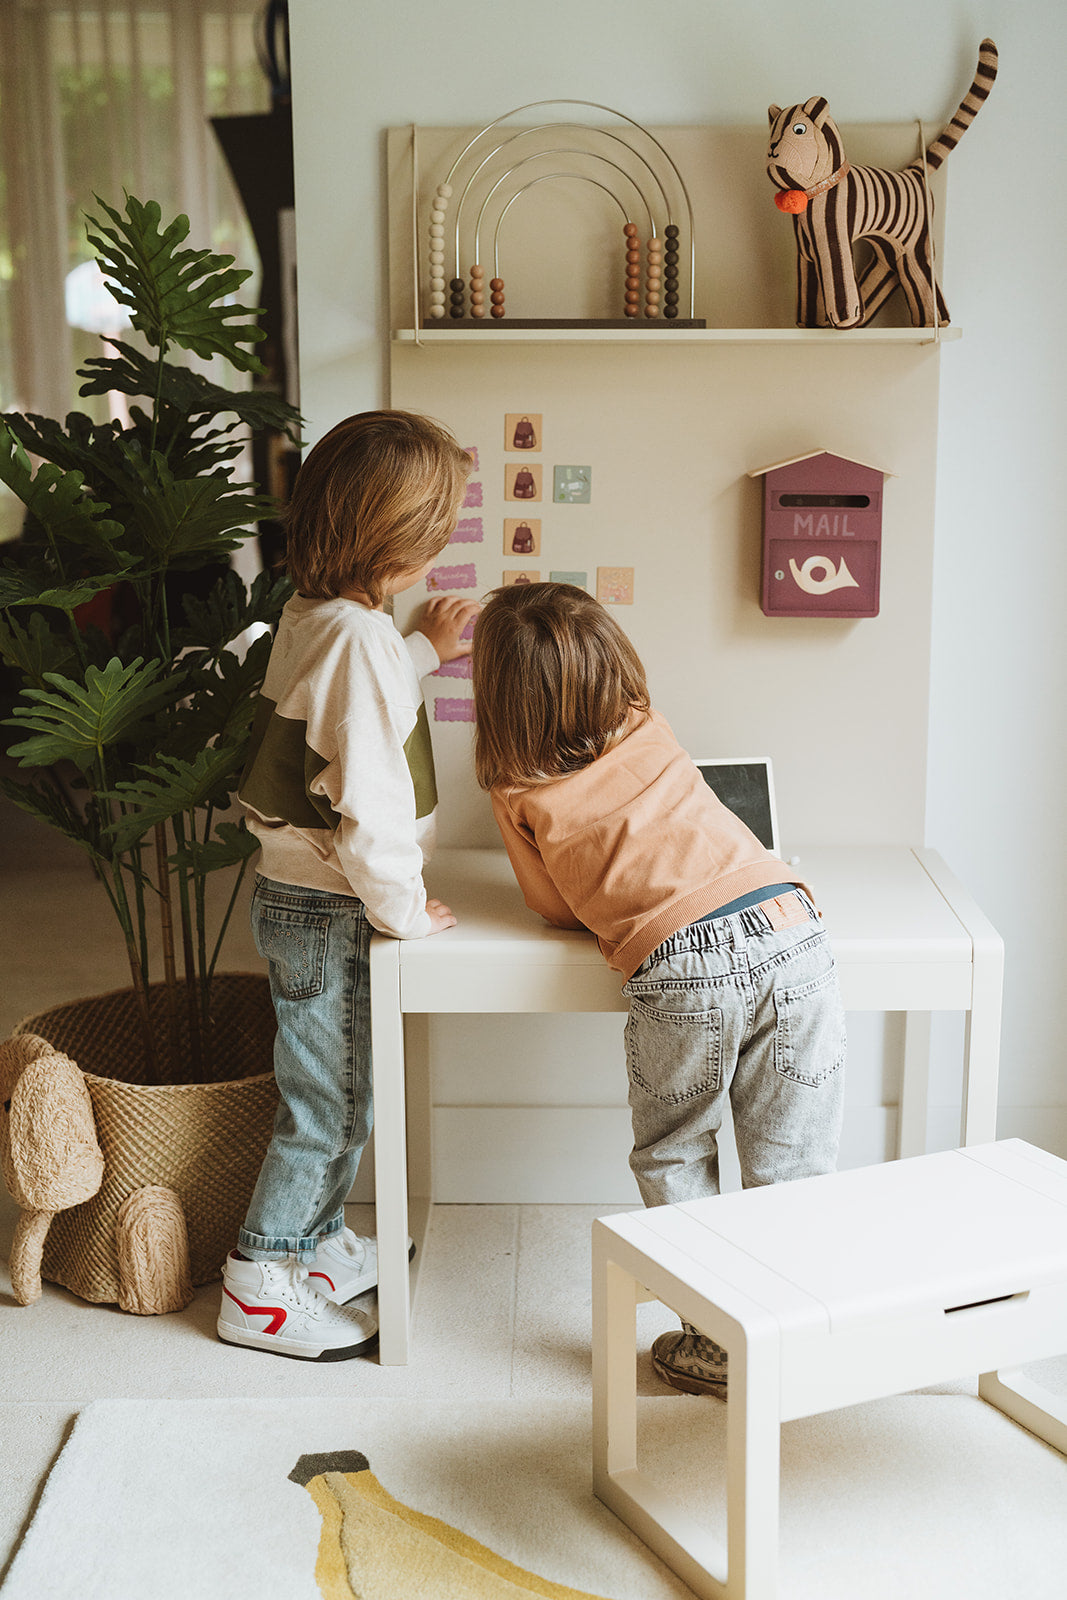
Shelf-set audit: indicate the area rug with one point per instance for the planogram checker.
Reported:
(924, 1495)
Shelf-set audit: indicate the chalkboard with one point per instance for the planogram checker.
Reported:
(747, 788)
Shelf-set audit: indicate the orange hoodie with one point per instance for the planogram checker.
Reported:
(632, 847)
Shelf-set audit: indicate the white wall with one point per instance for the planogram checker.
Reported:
(997, 767)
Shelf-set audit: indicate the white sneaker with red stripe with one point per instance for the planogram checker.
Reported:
(346, 1266)
(270, 1305)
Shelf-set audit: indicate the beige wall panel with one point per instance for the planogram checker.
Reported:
(671, 435)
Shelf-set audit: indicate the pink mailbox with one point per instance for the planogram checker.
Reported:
(822, 537)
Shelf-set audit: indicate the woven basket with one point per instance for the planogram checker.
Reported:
(204, 1140)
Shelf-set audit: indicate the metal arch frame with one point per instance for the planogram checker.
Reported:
(611, 111)
(592, 155)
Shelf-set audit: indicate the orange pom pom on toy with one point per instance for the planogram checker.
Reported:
(791, 200)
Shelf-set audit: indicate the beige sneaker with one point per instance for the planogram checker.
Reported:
(690, 1361)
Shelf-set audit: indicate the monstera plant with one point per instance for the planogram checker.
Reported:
(123, 623)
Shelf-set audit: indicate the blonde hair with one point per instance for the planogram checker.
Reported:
(555, 679)
(377, 496)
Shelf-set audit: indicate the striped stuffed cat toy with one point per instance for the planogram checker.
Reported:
(833, 204)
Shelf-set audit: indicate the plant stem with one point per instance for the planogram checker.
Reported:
(226, 918)
(188, 956)
(166, 925)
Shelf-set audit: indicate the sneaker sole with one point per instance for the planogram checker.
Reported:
(690, 1385)
(362, 1284)
(293, 1348)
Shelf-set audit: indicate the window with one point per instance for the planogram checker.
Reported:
(98, 97)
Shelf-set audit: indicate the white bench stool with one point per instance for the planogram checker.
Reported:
(827, 1292)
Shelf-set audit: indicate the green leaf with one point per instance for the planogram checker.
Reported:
(189, 394)
(48, 805)
(174, 296)
(66, 511)
(231, 844)
(26, 586)
(228, 609)
(77, 721)
(34, 649)
(224, 700)
(169, 786)
(182, 518)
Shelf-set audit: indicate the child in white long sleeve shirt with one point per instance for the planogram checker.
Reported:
(339, 790)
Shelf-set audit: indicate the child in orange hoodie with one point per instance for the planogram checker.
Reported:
(731, 981)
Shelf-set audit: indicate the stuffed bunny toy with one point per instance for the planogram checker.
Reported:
(51, 1160)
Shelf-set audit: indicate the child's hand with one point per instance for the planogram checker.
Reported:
(440, 916)
(443, 620)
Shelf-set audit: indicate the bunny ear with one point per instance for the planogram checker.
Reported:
(54, 1157)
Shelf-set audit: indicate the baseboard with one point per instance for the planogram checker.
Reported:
(566, 1155)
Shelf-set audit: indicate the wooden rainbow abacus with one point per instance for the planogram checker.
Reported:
(653, 292)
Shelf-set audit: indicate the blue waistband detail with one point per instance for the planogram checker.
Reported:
(755, 897)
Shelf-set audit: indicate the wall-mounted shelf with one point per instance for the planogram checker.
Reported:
(647, 335)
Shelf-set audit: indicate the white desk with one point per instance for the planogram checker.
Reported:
(906, 936)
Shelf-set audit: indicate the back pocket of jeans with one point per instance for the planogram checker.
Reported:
(295, 945)
(674, 1056)
(809, 1040)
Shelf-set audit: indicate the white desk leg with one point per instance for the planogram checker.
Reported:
(981, 1064)
(914, 1085)
(753, 1447)
(390, 1152)
(981, 1059)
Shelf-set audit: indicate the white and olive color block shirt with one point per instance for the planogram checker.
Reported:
(339, 786)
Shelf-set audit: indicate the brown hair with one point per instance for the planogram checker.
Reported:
(377, 496)
(555, 679)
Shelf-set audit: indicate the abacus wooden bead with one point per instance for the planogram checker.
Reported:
(496, 297)
(633, 297)
(477, 311)
(630, 230)
(437, 311)
(496, 283)
(445, 191)
(477, 271)
(498, 311)
(671, 230)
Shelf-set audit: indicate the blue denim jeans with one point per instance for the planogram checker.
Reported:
(746, 1008)
(318, 947)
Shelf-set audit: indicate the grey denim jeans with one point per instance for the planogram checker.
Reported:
(747, 1008)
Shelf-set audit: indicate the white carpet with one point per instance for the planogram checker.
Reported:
(925, 1495)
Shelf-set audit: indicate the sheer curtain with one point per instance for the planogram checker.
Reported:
(98, 97)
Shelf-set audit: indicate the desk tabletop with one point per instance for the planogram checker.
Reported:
(877, 899)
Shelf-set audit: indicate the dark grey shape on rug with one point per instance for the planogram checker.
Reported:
(312, 1466)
